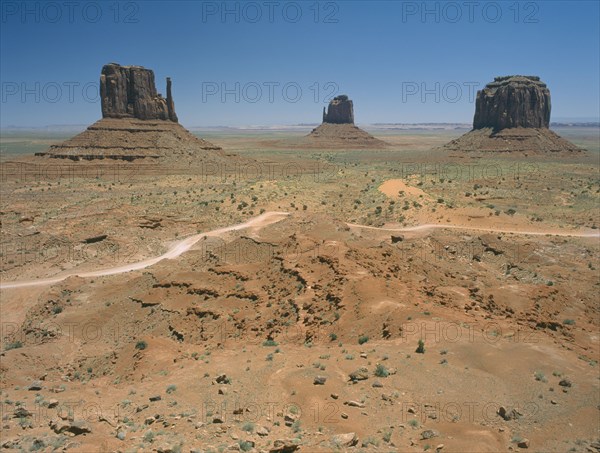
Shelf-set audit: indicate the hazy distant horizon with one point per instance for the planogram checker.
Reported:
(275, 126)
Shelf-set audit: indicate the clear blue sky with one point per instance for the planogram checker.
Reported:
(378, 53)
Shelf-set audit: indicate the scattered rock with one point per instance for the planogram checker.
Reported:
(262, 431)
(35, 385)
(354, 404)
(344, 415)
(283, 446)
(397, 238)
(289, 419)
(377, 384)
(429, 434)
(523, 443)
(65, 426)
(335, 396)
(360, 375)
(222, 379)
(155, 398)
(507, 414)
(21, 412)
(565, 383)
(320, 380)
(93, 239)
(52, 403)
(345, 440)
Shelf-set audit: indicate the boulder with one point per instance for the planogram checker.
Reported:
(345, 440)
(283, 446)
(508, 414)
(360, 375)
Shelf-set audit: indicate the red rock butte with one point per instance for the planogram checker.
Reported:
(512, 114)
(137, 123)
(338, 129)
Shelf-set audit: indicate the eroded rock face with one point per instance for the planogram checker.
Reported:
(339, 111)
(130, 92)
(513, 101)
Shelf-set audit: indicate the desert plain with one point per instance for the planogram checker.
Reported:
(299, 329)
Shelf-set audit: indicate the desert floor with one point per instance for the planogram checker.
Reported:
(278, 305)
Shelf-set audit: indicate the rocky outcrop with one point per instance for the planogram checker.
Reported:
(339, 111)
(513, 101)
(130, 92)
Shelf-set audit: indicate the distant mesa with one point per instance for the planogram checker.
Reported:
(512, 114)
(338, 129)
(137, 123)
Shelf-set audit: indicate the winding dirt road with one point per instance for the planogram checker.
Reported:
(431, 226)
(176, 249)
(260, 221)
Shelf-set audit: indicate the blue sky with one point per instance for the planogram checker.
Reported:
(382, 54)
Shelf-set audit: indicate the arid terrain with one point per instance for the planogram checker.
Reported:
(276, 301)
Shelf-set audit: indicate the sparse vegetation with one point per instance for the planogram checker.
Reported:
(381, 371)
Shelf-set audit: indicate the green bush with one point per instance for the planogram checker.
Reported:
(15, 345)
(381, 371)
(421, 347)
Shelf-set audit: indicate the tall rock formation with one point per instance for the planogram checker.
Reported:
(137, 123)
(338, 129)
(130, 92)
(513, 101)
(512, 114)
(339, 111)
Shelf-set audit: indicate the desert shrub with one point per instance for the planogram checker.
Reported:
(381, 371)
